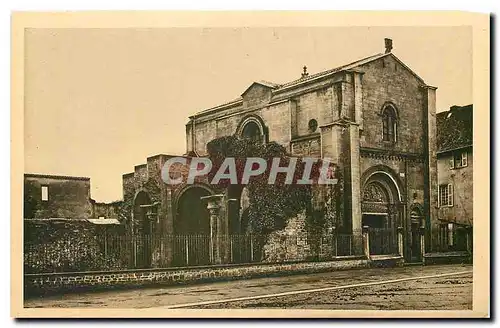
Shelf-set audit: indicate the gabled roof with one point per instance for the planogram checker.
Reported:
(229, 103)
(267, 84)
(349, 66)
(454, 128)
(277, 87)
(333, 70)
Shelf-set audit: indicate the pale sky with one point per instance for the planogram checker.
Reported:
(99, 101)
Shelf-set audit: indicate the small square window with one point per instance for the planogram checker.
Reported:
(459, 160)
(45, 193)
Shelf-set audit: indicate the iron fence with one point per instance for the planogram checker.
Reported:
(117, 251)
(443, 239)
(383, 241)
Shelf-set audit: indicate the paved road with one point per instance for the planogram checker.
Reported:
(415, 287)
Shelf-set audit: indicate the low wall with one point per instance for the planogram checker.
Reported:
(36, 284)
(447, 258)
(385, 261)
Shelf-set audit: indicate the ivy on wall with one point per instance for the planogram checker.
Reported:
(69, 246)
(272, 205)
(32, 201)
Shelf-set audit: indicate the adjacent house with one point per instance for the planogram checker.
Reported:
(59, 198)
(455, 177)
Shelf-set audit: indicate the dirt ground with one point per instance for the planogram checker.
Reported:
(453, 293)
(450, 293)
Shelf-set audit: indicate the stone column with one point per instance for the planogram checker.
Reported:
(366, 241)
(168, 227)
(400, 241)
(430, 172)
(214, 204)
(422, 243)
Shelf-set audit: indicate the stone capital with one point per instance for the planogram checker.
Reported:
(214, 202)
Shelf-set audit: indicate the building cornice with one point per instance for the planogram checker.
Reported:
(440, 152)
(390, 154)
(58, 177)
(311, 136)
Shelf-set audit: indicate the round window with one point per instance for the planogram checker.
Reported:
(313, 125)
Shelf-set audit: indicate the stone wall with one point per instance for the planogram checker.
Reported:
(386, 80)
(68, 197)
(310, 147)
(285, 113)
(288, 243)
(35, 284)
(108, 210)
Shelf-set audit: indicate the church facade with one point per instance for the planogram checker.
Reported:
(375, 118)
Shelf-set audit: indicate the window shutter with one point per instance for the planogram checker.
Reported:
(450, 194)
(464, 159)
(452, 162)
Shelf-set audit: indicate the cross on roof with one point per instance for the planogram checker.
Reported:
(304, 74)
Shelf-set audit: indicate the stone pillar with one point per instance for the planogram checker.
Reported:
(293, 118)
(355, 181)
(223, 231)
(403, 224)
(422, 243)
(168, 226)
(358, 98)
(214, 204)
(355, 177)
(431, 182)
(400, 242)
(468, 236)
(366, 241)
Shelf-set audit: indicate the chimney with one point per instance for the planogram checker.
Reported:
(388, 45)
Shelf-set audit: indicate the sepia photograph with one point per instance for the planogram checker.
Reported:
(307, 161)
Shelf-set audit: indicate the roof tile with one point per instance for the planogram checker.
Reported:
(454, 128)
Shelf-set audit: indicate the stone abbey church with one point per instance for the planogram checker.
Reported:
(375, 118)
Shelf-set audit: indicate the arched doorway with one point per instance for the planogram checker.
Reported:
(143, 230)
(191, 238)
(381, 212)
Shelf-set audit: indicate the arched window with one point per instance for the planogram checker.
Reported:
(252, 127)
(389, 124)
(251, 131)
